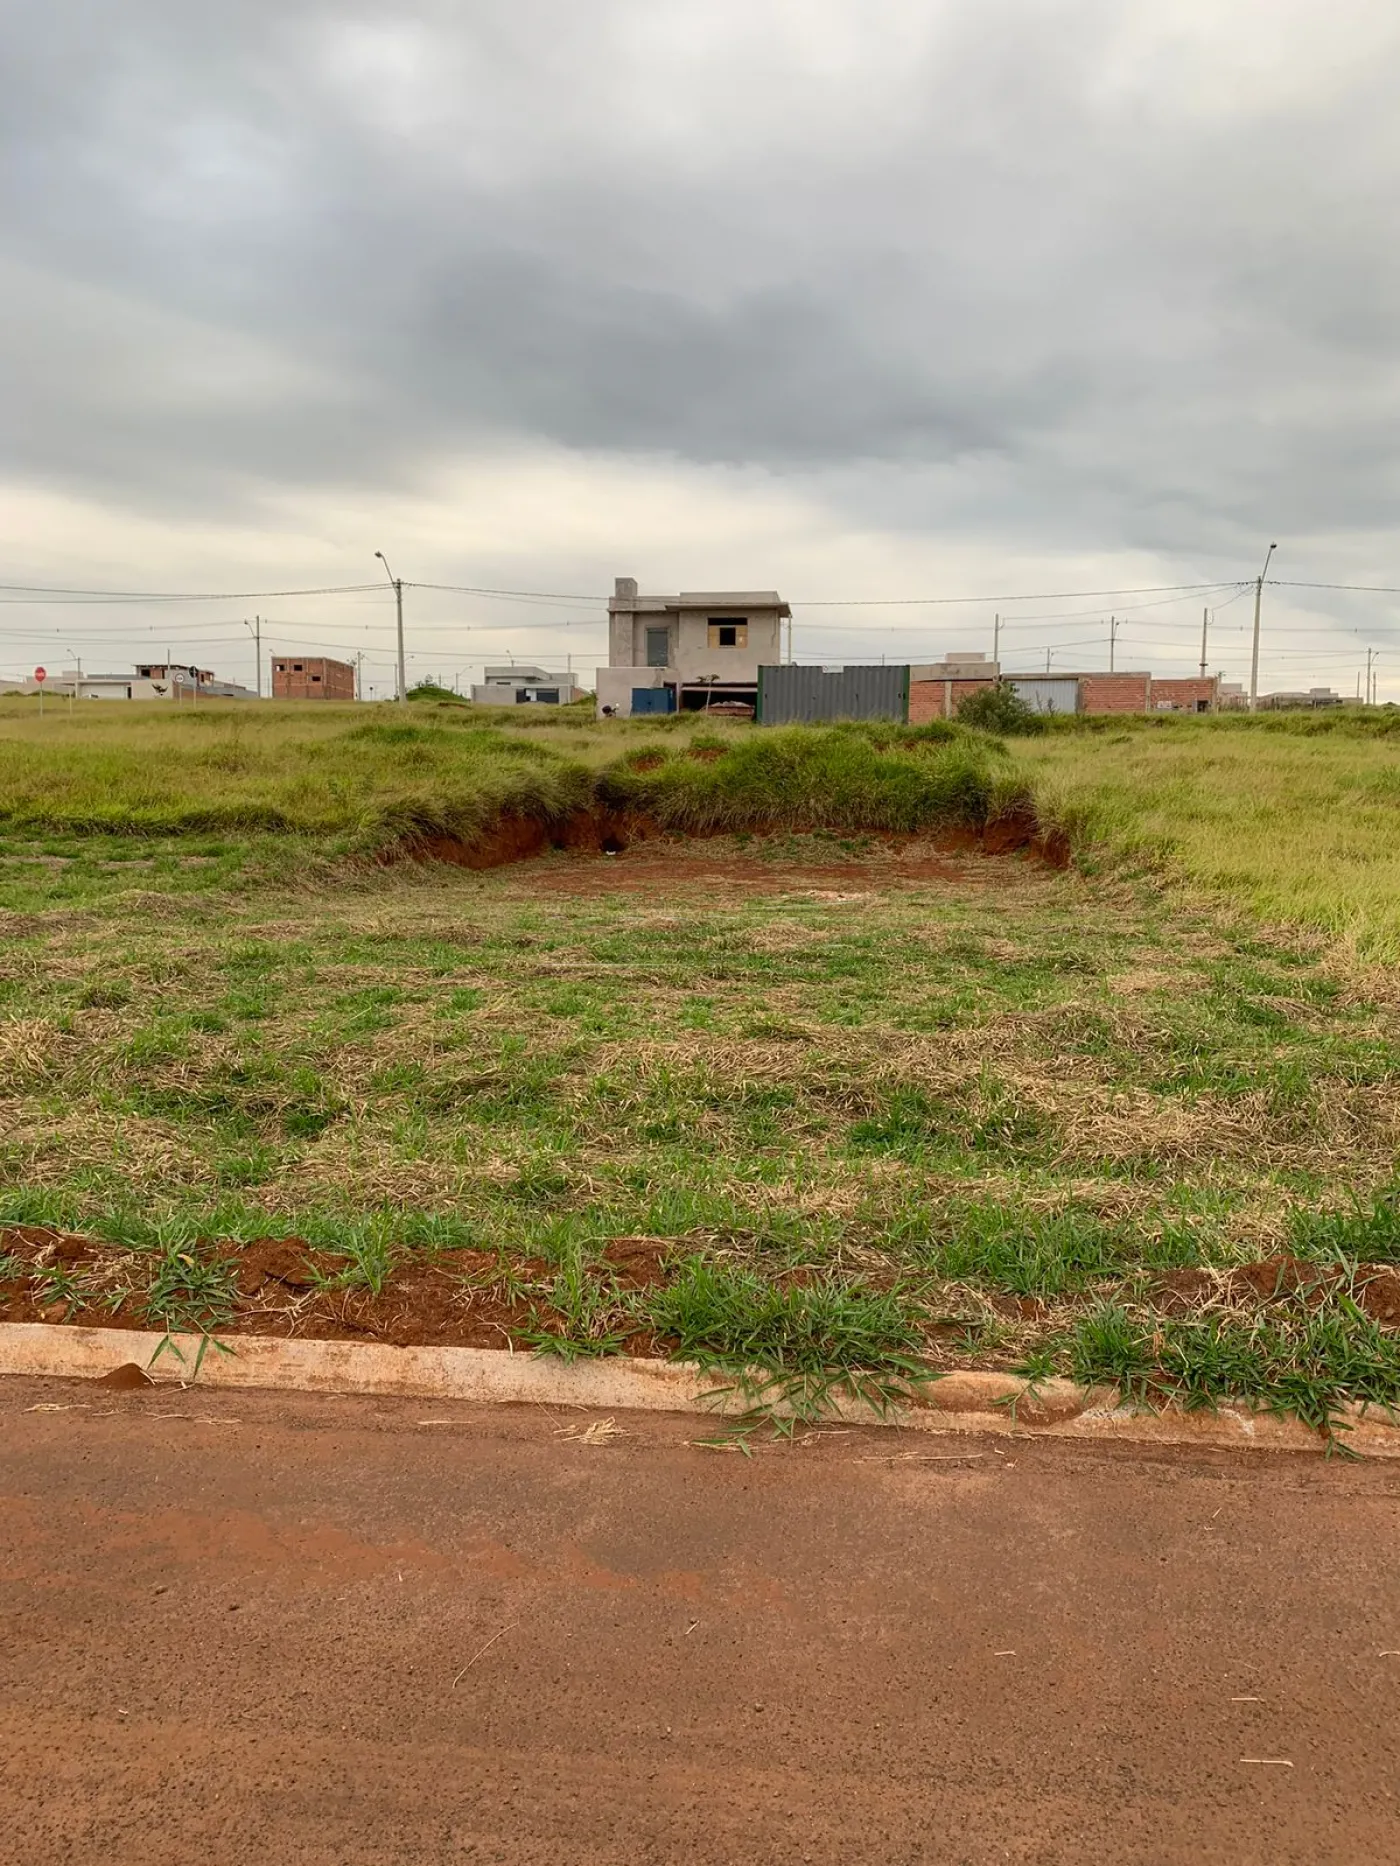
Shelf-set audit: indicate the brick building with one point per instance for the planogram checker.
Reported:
(1193, 695)
(310, 677)
(1144, 693)
(938, 688)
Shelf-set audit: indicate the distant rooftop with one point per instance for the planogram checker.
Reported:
(626, 596)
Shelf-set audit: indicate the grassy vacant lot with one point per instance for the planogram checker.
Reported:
(362, 780)
(797, 1101)
(1294, 817)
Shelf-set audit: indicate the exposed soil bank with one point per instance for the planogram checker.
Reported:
(283, 1287)
(602, 831)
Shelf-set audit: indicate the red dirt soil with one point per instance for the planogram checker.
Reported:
(1279, 1279)
(472, 1299)
(515, 838)
(460, 1300)
(294, 1630)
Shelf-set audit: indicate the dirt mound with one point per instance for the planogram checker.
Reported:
(640, 1263)
(286, 1287)
(288, 1262)
(40, 1243)
(1281, 1279)
(1378, 1292)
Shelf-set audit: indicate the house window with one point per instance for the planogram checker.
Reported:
(296, 667)
(729, 632)
(658, 647)
(315, 676)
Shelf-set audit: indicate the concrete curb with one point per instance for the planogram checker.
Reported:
(958, 1402)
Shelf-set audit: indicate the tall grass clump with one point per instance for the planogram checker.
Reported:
(800, 777)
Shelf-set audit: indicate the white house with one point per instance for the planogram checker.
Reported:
(150, 681)
(518, 685)
(683, 653)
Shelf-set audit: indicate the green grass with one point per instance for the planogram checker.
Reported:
(1288, 817)
(1305, 1363)
(879, 1125)
(355, 779)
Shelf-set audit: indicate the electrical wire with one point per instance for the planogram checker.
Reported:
(36, 592)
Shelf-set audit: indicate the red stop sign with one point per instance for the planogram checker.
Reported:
(41, 673)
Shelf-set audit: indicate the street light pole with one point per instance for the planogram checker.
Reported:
(254, 628)
(398, 605)
(1254, 657)
(73, 696)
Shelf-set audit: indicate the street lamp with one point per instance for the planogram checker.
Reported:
(397, 583)
(1254, 657)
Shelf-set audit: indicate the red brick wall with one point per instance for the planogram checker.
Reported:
(1114, 693)
(1183, 695)
(318, 679)
(928, 698)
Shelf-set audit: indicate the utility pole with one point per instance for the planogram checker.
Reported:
(359, 663)
(397, 583)
(1254, 655)
(1112, 640)
(996, 641)
(1047, 660)
(254, 628)
(1205, 626)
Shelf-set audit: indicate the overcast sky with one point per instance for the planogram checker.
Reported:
(897, 298)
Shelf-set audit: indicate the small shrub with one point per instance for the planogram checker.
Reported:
(1000, 709)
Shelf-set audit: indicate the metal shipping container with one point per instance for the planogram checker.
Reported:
(1048, 694)
(789, 695)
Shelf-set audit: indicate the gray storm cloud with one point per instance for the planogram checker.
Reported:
(1129, 271)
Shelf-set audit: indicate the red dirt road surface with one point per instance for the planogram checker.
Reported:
(239, 1627)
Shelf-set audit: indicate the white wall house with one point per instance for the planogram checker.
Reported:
(681, 653)
(151, 681)
(520, 685)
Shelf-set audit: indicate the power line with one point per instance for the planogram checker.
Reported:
(1369, 589)
(1034, 596)
(37, 592)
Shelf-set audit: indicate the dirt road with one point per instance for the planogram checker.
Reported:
(244, 1628)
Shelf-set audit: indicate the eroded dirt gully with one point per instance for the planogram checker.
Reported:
(601, 831)
(331, 1632)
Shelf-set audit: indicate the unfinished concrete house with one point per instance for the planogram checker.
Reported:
(688, 653)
